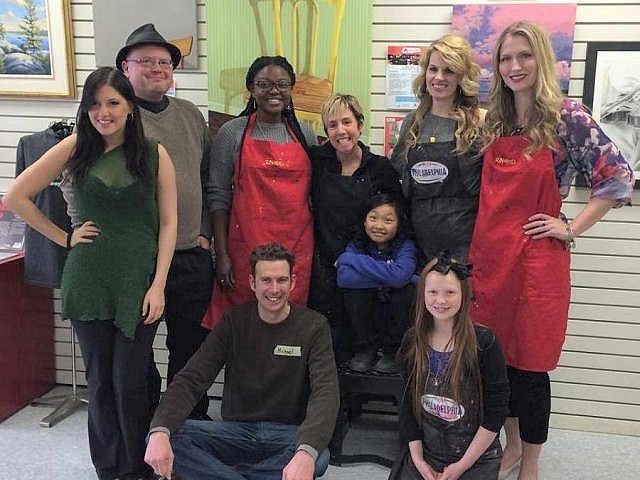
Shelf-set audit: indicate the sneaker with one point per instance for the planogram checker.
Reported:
(361, 362)
(386, 364)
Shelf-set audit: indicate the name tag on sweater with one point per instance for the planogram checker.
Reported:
(287, 351)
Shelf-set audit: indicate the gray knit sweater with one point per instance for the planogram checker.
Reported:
(181, 129)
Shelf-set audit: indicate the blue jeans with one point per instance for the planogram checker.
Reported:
(235, 450)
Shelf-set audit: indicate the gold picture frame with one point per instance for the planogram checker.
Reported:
(38, 59)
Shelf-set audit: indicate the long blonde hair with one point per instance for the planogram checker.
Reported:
(464, 358)
(459, 57)
(544, 116)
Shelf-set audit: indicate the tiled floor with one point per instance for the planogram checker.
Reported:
(29, 451)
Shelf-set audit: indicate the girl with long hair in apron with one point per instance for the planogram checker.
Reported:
(456, 389)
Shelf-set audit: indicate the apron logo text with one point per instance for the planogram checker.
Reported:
(444, 408)
(429, 172)
(270, 162)
(504, 161)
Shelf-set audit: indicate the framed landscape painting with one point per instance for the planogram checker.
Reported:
(36, 54)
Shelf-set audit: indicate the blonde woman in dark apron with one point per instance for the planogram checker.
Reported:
(438, 150)
(537, 143)
(456, 390)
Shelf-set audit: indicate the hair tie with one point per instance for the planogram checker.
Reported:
(446, 263)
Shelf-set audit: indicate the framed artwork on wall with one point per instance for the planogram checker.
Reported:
(612, 92)
(324, 41)
(176, 21)
(36, 53)
(481, 24)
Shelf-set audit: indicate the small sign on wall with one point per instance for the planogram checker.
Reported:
(392, 126)
(402, 69)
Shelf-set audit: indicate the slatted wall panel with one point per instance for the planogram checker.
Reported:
(19, 117)
(597, 386)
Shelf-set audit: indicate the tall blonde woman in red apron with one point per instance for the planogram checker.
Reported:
(537, 143)
(261, 177)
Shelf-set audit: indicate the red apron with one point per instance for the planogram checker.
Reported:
(270, 204)
(522, 286)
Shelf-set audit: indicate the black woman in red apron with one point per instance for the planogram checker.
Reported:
(537, 143)
(456, 392)
(261, 177)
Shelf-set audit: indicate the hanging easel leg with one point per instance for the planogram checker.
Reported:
(66, 404)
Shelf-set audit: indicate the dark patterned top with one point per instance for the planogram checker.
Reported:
(589, 151)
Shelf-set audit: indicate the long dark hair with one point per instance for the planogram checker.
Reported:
(289, 113)
(90, 144)
(360, 238)
(464, 358)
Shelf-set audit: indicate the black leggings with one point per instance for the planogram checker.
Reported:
(530, 402)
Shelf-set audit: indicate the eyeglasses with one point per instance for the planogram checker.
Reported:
(266, 86)
(148, 62)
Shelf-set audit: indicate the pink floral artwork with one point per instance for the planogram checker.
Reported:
(482, 24)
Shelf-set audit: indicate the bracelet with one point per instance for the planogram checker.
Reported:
(570, 241)
(69, 235)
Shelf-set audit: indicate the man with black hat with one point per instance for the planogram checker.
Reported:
(148, 60)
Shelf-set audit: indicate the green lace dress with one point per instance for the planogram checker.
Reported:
(107, 279)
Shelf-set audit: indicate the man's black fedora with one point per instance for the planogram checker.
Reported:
(147, 35)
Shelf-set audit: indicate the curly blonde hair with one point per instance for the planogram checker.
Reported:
(459, 58)
(544, 116)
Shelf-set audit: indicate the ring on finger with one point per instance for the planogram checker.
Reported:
(544, 223)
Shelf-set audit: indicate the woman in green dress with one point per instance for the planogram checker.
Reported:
(114, 278)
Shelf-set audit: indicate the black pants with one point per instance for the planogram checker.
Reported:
(326, 298)
(379, 317)
(116, 369)
(188, 293)
(530, 402)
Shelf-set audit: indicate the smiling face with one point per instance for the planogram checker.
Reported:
(150, 83)
(381, 224)
(272, 283)
(271, 101)
(108, 115)
(518, 65)
(442, 82)
(343, 130)
(442, 296)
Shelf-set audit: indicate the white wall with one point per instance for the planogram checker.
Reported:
(597, 386)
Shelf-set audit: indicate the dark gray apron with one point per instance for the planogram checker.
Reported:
(443, 193)
(446, 434)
